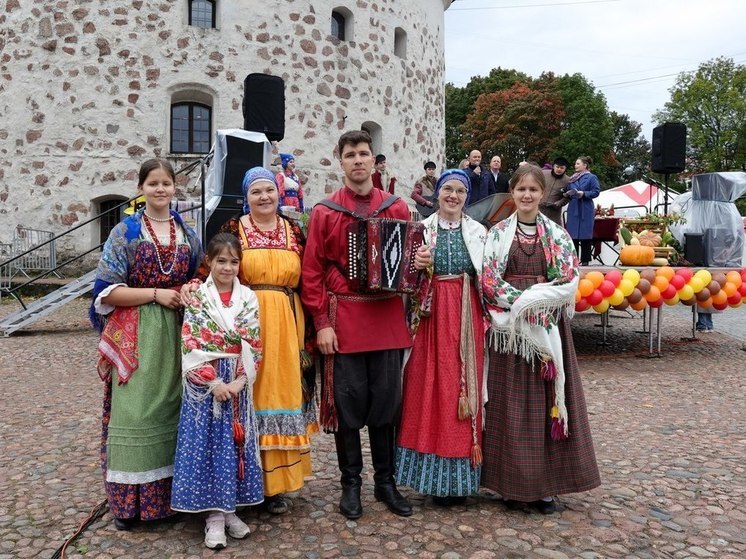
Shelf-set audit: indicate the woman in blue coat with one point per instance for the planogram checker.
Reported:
(581, 190)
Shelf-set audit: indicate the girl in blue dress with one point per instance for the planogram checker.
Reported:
(217, 466)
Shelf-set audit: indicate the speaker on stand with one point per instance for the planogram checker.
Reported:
(668, 152)
(264, 105)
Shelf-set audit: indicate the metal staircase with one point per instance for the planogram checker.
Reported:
(47, 304)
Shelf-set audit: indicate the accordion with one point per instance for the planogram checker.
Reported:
(380, 254)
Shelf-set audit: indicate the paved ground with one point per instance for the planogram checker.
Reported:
(670, 438)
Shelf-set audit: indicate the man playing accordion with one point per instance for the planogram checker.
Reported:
(361, 335)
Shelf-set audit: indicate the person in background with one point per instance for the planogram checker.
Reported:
(362, 336)
(289, 183)
(553, 201)
(147, 258)
(582, 187)
(704, 319)
(440, 433)
(217, 464)
(423, 192)
(474, 171)
(537, 441)
(463, 164)
(493, 181)
(382, 180)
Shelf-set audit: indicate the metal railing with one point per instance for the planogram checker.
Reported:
(38, 254)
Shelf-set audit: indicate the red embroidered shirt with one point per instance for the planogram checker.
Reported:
(360, 326)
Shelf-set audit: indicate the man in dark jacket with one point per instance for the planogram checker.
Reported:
(493, 181)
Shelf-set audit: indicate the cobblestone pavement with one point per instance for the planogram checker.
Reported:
(670, 437)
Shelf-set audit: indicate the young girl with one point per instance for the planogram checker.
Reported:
(147, 257)
(217, 456)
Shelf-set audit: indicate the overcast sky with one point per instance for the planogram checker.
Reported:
(631, 50)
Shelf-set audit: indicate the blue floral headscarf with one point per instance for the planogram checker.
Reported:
(450, 174)
(255, 174)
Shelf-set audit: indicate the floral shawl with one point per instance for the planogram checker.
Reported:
(474, 236)
(524, 322)
(213, 331)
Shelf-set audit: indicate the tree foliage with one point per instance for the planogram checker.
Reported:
(519, 123)
(520, 118)
(711, 101)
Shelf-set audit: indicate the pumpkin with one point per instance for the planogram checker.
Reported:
(636, 255)
(650, 239)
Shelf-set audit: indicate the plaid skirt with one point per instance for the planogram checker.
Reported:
(521, 461)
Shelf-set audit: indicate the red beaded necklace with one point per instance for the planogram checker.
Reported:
(271, 234)
(161, 252)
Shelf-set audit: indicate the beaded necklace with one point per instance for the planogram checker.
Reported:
(158, 219)
(161, 253)
(271, 234)
(531, 239)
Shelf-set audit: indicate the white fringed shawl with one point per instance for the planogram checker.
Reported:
(524, 322)
(209, 327)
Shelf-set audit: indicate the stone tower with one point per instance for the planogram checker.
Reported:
(87, 90)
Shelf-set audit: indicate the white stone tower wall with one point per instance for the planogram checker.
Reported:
(86, 89)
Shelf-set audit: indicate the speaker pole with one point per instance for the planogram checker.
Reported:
(665, 197)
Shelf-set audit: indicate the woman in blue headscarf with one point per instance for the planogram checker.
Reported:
(289, 184)
(439, 441)
(272, 248)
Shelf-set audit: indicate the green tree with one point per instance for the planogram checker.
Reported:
(460, 102)
(587, 128)
(519, 123)
(711, 101)
(630, 148)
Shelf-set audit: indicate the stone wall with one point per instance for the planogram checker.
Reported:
(86, 86)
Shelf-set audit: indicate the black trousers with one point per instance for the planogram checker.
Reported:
(584, 248)
(367, 388)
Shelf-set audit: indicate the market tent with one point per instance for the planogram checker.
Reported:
(634, 199)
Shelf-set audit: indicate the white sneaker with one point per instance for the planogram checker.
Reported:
(236, 527)
(215, 531)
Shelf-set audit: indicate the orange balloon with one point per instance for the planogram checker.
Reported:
(666, 271)
(719, 298)
(734, 278)
(641, 304)
(578, 296)
(654, 294)
(706, 304)
(595, 277)
(585, 287)
(661, 282)
(730, 289)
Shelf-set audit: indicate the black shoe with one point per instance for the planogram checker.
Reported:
(442, 501)
(124, 524)
(544, 507)
(512, 505)
(395, 501)
(350, 505)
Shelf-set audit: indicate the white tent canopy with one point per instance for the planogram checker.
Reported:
(634, 199)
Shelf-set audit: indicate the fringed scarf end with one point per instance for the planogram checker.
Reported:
(463, 406)
(559, 430)
(548, 370)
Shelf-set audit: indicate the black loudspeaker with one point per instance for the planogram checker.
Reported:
(241, 156)
(264, 105)
(694, 248)
(669, 148)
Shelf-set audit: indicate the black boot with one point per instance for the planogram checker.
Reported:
(350, 459)
(382, 452)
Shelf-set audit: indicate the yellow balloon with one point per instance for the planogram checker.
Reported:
(632, 275)
(617, 297)
(626, 287)
(704, 275)
(673, 301)
(697, 284)
(686, 292)
(602, 307)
